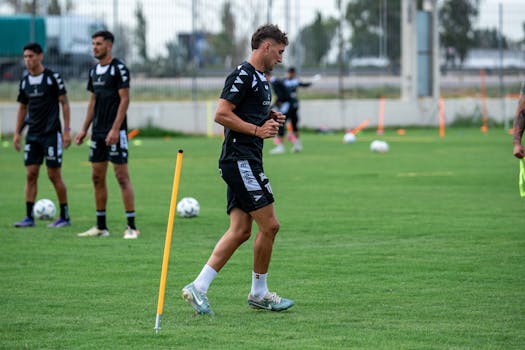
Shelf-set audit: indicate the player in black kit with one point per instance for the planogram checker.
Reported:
(108, 83)
(244, 111)
(41, 91)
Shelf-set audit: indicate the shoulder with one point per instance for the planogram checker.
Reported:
(121, 68)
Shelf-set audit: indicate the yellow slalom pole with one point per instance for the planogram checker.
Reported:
(167, 243)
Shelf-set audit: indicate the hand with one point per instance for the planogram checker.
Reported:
(269, 129)
(112, 137)
(519, 151)
(80, 137)
(278, 117)
(66, 139)
(16, 142)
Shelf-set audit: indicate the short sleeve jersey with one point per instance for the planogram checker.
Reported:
(105, 82)
(40, 94)
(251, 94)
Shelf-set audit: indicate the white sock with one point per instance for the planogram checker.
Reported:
(204, 279)
(259, 286)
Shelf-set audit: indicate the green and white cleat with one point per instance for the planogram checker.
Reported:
(271, 301)
(198, 300)
(94, 232)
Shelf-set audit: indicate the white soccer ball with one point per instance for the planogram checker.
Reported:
(349, 138)
(188, 207)
(44, 209)
(379, 146)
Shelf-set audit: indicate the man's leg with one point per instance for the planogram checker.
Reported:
(128, 198)
(55, 176)
(30, 192)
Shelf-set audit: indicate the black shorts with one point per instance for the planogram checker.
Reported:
(39, 146)
(248, 188)
(100, 152)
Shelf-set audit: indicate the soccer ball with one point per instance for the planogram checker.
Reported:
(44, 209)
(349, 138)
(379, 146)
(188, 207)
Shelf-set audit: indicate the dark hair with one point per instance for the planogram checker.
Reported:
(291, 70)
(268, 31)
(106, 34)
(35, 47)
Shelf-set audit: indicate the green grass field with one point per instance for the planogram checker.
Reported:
(419, 248)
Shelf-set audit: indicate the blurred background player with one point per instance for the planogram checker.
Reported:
(519, 124)
(41, 91)
(291, 82)
(108, 83)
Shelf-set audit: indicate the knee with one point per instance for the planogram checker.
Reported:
(98, 180)
(32, 177)
(243, 235)
(272, 228)
(123, 181)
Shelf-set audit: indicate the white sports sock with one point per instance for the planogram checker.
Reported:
(204, 279)
(259, 286)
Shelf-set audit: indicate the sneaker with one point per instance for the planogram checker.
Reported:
(94, 232)
(279, 149)
(26, 222)
(271, 301)
(60, 222)
(131, 233)
(197, 300)
(297, 147)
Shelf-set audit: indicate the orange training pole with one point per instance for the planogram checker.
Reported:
(167, 243)
(441, 117)
(484, 126)
(360, 127)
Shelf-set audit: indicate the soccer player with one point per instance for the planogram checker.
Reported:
(244, 111)
(108, 83)
(41, 91)
(292, 83)
(519, 124)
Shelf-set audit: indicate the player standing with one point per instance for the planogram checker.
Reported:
(108, 83)
(244, 111)
(41, 91)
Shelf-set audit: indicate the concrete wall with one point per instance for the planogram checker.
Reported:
(197, 117)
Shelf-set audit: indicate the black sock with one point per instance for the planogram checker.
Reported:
(64, 212)
(101, 220)
(130, 215)
(29, 209)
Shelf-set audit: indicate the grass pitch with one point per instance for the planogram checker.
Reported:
(419, 248)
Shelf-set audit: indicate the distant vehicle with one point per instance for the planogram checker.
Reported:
(370, 61)
(66, 41)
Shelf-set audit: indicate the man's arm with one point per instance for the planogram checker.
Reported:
(87, 122)
(66, 113)
(20, 116)
(113, 134)
(224, 116)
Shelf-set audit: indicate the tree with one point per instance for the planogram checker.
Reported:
(456, 17)
(140, 33)
(317, 38)
(489, 39)
(224, 44)
(372, 22)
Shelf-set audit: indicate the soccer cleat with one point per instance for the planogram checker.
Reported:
(60, 222)
(131, 233)
(279, 149)
(271, 301)
(94, 232)
(26, 222)
(197, 300)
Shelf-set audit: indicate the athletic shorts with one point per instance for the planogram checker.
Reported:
(248, 188)
(38, 147)
(100, 152)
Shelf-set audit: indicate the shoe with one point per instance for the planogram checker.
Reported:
(60, 222)
(197, 300)
(297, 147)
(279, 149)
(94, 232)
(26, 222)
(271, 301)
(131, 233)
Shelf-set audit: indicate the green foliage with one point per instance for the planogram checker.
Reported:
(456, 17)
(419, 248)
(141, 32)
(316, 38)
